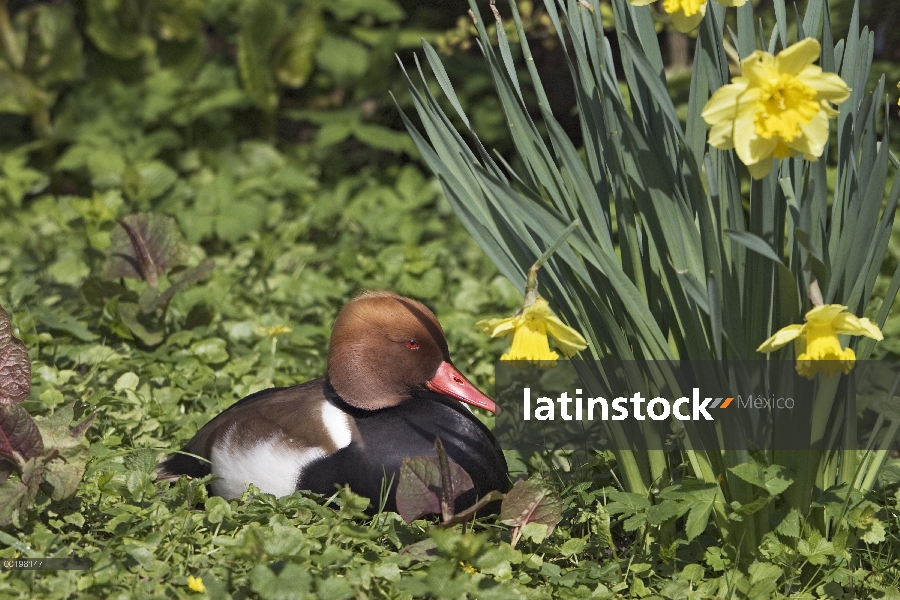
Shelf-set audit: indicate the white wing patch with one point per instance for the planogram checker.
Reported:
(271, 465)
(337, 424)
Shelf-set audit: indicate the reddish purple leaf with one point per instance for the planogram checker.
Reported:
(531, 501)
(15, 365)
(144, 246)
(419, 488)
(20, 438)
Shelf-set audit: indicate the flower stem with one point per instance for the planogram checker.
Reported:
(531, 284)
(815, 294)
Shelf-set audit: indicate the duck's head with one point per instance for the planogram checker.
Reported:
(385, 348)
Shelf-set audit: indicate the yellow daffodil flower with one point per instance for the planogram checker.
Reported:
(686, 14)
(778, 107)
(196, 584)
(529, 329)
(823, 350)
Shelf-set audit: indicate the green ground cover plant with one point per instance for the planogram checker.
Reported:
(189, 192)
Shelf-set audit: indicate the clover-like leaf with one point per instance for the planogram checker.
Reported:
(530, 501)
(420, 490)
(144, 246)
(15, 365)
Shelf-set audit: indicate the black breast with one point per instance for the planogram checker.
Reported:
(389, 435)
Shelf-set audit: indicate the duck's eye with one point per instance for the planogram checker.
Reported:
(412, 345)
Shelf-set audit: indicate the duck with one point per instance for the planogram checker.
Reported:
(389, 390)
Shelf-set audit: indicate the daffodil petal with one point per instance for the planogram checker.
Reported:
(758, 68)
(824, 314)
(814, 138)
(723, 104)
(781, 337)
(498, 327)
(829, 86)
(539, 309)
(685, 23)
(848, 323)
(721, 135)
(795, 57)
(829, 112)
(750, 147)
(760, 169)
(567, 339)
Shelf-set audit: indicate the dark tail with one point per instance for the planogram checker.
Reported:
(182, 464)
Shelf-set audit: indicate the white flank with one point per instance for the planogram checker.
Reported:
(270, 465)
(337, 424)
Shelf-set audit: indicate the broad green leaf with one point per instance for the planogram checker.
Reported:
(626, 503)
(211, 350)
(698, 517)
(255, 46)
(294, 59)
(284, 581)
(146, 328)
(117, 28)
(19, 95)
(217, 509)
(534, 531)
(773, 478)
(383, 10)
(177, 20)
(152, 300)
(665, 511)
(573, 546)
(344, 58)
(816, 548)
(53, 43)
